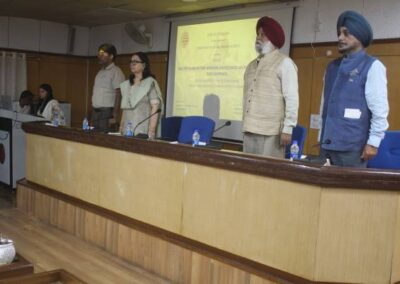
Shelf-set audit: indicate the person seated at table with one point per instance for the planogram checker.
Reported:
(48, 106)
(141, 97)
(25, 103)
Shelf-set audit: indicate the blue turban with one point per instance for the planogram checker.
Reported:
(357, 25)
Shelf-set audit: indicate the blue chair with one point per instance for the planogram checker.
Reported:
(189, 124)
(388, 156)
(299, 134)
(170, 127)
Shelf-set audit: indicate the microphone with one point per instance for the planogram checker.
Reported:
(223, 125)
(92, 121)
(321, 159)
(326, 142)
(143, 135)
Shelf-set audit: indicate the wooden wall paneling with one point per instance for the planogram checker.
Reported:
(42, 207)
(258, 280)
(223, 273)
(155, 255)
(314, 51)
(122, 62)
(293, 205)
(312, 62)
(201, 269)
(385, 48)
(395, 277)
(79, 223)
(53, 71)
(95, 229)
(65, 217)
(175, 265)
(320, 64)
(53, 212)
(77, 91)
(344, 238)
(22, 198)
(30, 199)
(392, 64)
(94, 67)
(305, 73)
(33, 73)
(159, 69)
(49, 248)
(112, 232)
(173, 262)
(124, 246)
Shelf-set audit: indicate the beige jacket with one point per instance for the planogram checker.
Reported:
(270, 98)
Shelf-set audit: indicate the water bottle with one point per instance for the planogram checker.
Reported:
(85, 124)
(129, 129)
(294, 151)
(195, 137)
(55, 121)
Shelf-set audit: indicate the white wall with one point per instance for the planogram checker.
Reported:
(315, 20)
(23, 34)
(35, 35)
(116, 35)
(82, 41)
(3, 31)
(53, 37)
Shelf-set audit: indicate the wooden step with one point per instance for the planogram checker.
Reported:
(48, 248)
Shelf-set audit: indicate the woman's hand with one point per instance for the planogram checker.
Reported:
(151, 134)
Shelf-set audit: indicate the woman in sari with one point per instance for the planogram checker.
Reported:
(141, 98)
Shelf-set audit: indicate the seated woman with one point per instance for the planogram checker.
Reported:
(48, 106)
(25, 103)
(141, 97)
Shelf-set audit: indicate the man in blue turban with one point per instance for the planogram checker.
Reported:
(354, 105)
(356, 25)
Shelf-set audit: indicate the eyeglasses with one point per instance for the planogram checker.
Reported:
(135, 62)
(101, 52)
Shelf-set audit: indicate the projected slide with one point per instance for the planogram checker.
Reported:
(210, 62)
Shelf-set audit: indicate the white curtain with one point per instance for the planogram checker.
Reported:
(12, 77)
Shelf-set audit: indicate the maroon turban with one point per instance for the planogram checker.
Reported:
(273, 30)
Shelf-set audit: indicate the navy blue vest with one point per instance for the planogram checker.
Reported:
(345, 80)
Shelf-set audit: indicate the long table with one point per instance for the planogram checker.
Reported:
(277, 219)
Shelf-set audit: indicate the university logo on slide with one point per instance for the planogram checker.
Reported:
(185, 39)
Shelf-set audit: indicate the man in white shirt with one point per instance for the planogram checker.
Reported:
(271, 98)
(106, 97)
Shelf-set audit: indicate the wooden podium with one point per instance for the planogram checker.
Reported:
(191, 215)
(12, 146)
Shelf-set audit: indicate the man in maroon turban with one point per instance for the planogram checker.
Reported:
(270, 97)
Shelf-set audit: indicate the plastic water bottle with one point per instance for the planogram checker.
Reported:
(129, 129)
(85, 124)
(55, 121)
(195, 137)
(294, 151)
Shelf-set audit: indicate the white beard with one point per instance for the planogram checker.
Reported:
(258, 47)
(264, 48)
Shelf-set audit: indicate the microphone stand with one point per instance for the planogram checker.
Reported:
(144, 135)
(222, 126)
